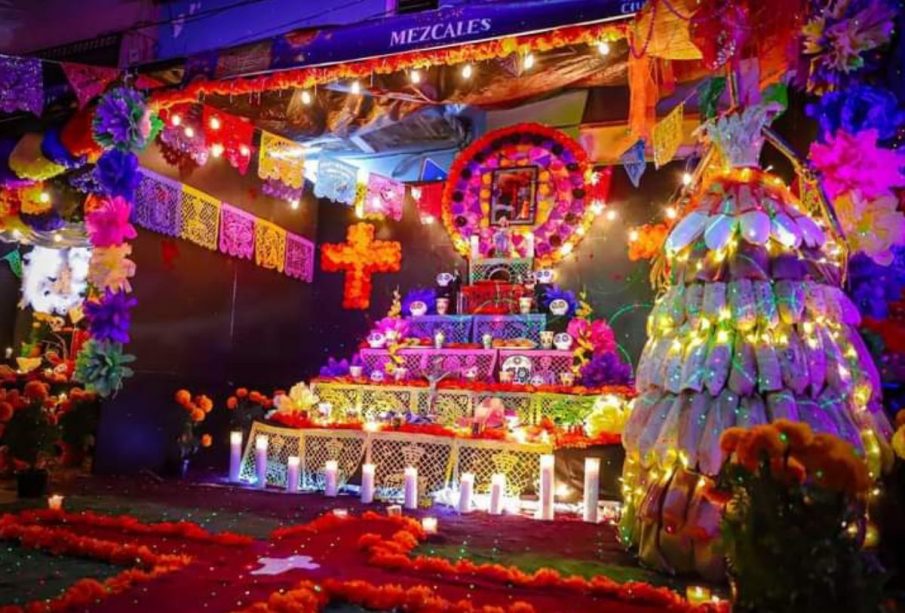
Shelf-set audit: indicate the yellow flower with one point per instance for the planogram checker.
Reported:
(871, 226)
(111, 268)
(300, 398)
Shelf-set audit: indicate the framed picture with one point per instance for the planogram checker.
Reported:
(513, 196)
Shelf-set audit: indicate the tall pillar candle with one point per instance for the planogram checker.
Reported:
(529, 245)
(411, 487)
(466, 486)
(591, 488)
(292, 474)
(367, 483)
(475, 244)
(261, 460)
(497, 487)
(235, 455)
(331, 473)
(545, 498)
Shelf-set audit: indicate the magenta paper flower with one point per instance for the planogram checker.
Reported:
(854, 162)
(108, 223)
(596, 335)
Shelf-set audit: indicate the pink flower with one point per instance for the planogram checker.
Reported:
(850, 162)
(602, 338)
(108, 222)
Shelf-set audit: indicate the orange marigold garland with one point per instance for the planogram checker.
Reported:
(360, 257)
(646, 241)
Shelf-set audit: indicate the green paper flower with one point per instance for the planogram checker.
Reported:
(101, 366)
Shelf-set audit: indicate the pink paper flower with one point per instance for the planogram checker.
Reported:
(108, 222)
(597, 334)
(855, 163)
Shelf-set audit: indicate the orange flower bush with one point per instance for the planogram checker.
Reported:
(647, 241)
(196, 409)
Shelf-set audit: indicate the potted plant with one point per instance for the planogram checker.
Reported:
(30, 435)
(189, 442)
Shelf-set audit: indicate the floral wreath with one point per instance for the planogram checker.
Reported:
(562, 215)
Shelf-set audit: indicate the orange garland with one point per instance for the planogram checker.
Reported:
(476, 52)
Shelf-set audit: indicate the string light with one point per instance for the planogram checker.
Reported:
(216, 150)
(633, 235)
(355, 88)
(306, 97)
(611, 215)
(528, 61)
(189, 132)
(467, 71)
(57, 237)
(597, 207)
(415, 76)
(244, 150)
(671, 212)
(215, 123)
(687, 178)
(603, 48)
(176, 119)
(44, 197)
(294, 204)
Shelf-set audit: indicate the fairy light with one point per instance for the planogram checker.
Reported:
(611, 215)
(355, 88)
(57, 237)
(597, 207)
(687, 179)
(294, 204)
(671, 212)
(722, 336)
(44, 197)
(633, 235)
(306, 97)
(467, 71)
(566, 249)
(189, 132)
(528, 61)
(415, 76)
(17, 234)
(216, 150)
(603, 48)
(244, 150)
(176, 119)
(214, 123)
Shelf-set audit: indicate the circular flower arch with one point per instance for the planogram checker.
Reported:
(562, 211)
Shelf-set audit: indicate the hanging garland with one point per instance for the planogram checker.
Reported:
(122, 125)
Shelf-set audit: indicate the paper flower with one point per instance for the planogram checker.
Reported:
(107, 221)
(116, 174)
(335, 368)
(111, 268)
(101, 366)
(120, 120)
(649, 241)
(110, 317)
(596, 336)
(395, 325)
(605, 369)
(850, 162)
(427, 295)
(857, 108)
(556, 292)
(871, 226)
(873, 287)
(300, 398)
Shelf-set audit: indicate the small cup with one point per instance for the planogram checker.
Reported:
(439, 339)
(355, 371)
(442, 306)
(487, 341)
(546, 339)
(524, 305)
(567, 379)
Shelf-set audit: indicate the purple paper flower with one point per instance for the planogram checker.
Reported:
(605, 369)
(555, 293)
(120, 120)
(857, 108)
(117, 174)
(109, 319)
(334, 368)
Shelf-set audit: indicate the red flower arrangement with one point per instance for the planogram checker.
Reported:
(480, 386)
(360, 257)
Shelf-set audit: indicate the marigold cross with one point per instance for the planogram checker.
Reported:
(360, 257)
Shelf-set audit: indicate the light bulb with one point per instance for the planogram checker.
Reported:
(244, 150)
(687, 178)
(671, 212)
(294, 204)
(44, 197)
(415, 76)
(597, 207)
(57, 237)
(611, 214)
(633, 235)
(216, 150)
(176, 119)
(189, 132)
(603, 48)
(528, 62)
(306, 97)
(467, 71)
(566, 249)
(355, 88)
(214, 123)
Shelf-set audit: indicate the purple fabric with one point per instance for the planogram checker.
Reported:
(21, 85)
(299, 257)
(157, 202)
(237, 232)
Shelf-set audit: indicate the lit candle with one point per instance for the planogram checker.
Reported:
(529, 245)
(697, 594)
(475, 247)
(429, 524)
(439, 338)
(367, 483)
(411, 487)
(394, 510)
(545, 496)
(261, 460)
(235, 455)
(497, 487)
(331, 471)
(341, 513)
(591, 488)
(292, 474)
(466, 485)
(55, 502)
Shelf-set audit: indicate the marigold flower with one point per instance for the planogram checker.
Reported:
(36, 390)
(242, 392)
(206, 440)
(900, 419)
(204, 403)
(6, 411)
(730, 439)
(183, 397)
(232, 402)
(795, 434)
(197, 415)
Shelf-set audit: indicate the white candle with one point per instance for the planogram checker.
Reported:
(529, 245)
(394, 510)
(466, 486)
(331, 472)
(591, 488)
(292, 474)
(235, 455)
(545, 495)
(475, 247)
(367, 483)
(497, 487)
(261, 460)
(411, 487)
(55, 502)
(429, 524)
(342, 513)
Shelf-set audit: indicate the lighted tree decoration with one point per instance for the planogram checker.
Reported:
(752, 327)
